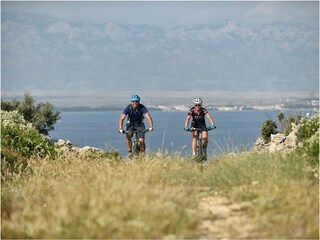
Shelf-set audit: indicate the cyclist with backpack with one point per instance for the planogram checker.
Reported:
(198, 114)
(135, 113)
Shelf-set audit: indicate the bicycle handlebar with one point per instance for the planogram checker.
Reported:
(199, 129)
(136, 131)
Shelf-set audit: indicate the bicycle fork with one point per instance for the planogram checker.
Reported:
(201, 154)
(200, 146)
(138, 147)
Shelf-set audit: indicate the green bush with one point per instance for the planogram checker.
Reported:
(312, 148)
(269, 127)
(308, 134)
(19, 142)
(42, 115)
(308, 127)
(22, 137)
(286, 122)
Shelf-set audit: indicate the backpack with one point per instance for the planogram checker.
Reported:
(135, 113)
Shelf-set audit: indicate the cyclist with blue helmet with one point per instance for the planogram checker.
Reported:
(135, 113)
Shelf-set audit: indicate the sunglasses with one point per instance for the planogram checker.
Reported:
(135, 101)
(197, 105)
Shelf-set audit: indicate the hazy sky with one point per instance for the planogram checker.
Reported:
(171, 13)
(69, 50)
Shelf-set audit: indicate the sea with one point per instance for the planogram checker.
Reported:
(236, 131)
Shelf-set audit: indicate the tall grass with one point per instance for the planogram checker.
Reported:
(157, 197)
(284, 192)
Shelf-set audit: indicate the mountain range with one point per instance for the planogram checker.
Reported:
(50, 55)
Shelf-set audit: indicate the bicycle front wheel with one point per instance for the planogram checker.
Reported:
(136, 147)
(199, 148)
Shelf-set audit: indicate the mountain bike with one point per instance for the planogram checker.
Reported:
(135, 142)
(201, 155)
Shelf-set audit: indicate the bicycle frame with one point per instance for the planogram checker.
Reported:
(135, 142)
(199, 146)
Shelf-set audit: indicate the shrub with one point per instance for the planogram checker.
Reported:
(312, 148)
(10, 106)
(308, 127)
(41, 115)
(308, 134)
(269, 127)
(45, 117)
(22, 137)
(286, 122)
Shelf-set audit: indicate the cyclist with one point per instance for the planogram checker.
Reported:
(198, 114)
(135, 113)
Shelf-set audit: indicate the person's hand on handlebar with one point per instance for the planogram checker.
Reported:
(150, 129)
(213, 127)
(121, 131)
(186, 129)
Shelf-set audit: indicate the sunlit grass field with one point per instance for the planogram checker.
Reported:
(158, 197)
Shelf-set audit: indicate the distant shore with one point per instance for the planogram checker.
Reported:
(310, 106)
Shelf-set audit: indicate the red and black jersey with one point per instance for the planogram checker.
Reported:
(198, 117)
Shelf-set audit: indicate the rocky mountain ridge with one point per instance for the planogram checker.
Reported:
(75, 57)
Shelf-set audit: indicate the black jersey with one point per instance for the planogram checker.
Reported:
(198, 117)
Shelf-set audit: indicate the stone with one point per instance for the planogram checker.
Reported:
(291, 140)
(87, 149)
(261, 144)
(277, 138)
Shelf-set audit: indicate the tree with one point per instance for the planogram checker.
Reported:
(27, 107)
(42, 115)
(9, 106)
(45, 117)
(282, 121)
(269, 127)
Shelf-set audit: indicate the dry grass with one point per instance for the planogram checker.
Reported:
(157, 197)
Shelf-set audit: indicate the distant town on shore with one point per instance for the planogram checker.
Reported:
(301, 104)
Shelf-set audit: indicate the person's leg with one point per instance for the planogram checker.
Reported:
(141, 137)
(129, 140)
(205, 143)
(142, 145)
(205, 139)
(194, 143)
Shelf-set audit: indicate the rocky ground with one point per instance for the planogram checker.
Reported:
(68, 148)
(279, 142)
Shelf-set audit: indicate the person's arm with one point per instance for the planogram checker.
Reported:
(121, 121)
(187, 121)
(150, 120)
(146, 113)
(210, 118)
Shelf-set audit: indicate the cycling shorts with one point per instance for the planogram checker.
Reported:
(198, 125)
(140, 127)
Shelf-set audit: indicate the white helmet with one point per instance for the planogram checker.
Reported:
(197, 101)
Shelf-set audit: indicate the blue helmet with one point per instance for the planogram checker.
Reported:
(135, 98)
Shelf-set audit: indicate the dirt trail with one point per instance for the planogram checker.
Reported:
(220, 219)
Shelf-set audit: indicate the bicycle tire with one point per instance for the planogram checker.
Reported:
(136, 147)
(200, 148)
